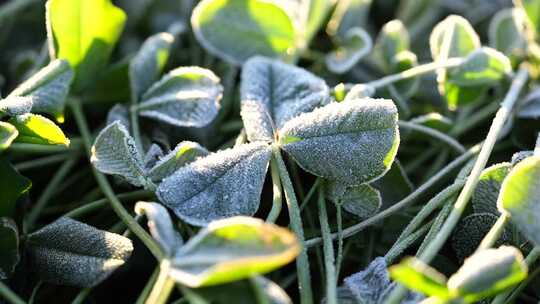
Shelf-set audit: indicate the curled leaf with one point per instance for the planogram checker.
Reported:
(356, 45)
(184, 153)
(8, 133)
(161, 226)
(36, 129)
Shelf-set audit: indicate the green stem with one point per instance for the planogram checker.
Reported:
(134, 117)
(11, 8)
(81, 296)
(404, 202)
(148, 287)
(472, 121)
(42, 149)
(277, 202)
(164, 285)
(106, 188)
(258, 290)
(9, 295)
(96, 205)
(495, 232)
(399, 247)
(41, 162)
(302, 263)
(328, 248)
(498, 122)
(435, 134)
(311, 192)
(339, 220)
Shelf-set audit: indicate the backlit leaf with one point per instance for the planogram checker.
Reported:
(507, 33)
(353, 141)
(361, 200)
(418, 276)
(453, 37)
(236, 30)
(356, 45)
(184, 153)
(392, 40)
(36, 129)
(8, 133)
(532, 9)
(12, 186)
(223, 184)
(233, 249)
(273, 92)
(68, 252)
(185, 97)
(9, 247)
(161, 227)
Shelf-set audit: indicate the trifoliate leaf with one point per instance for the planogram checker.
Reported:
(507, 33)
(416, 275)
(520, 197)
(36, 129)
(220, 185)
(114, 152)
(121, 113)
(485, 194)
(185, 97)
(161, 226)
(68, 252)
(352, 142)
(16, 105)
(184, 153)
(453, 37)
(48, 89)
(84, 33)
(532, 9)
(8, 133)
(356, 45)
(348, 15)
(147, 65)
(236, 30)
(487, 273)
(273, 92)
(233, 249)
(9, 247)
(12, 186)
(361, 200)
(530, 108)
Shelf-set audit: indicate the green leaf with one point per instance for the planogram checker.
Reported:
(236, 30)
(9, 247)
(356, 45)
(532, 9)
(185, 97)
(147, 65)
(233, 249)
(68, 252)
(8, 133)
(48, 89)
(223, 184)
(453, 37)
(520, 197)
(361, 200)
(36, 129)
(318, 11)
(12, 186)
(114, 152)
(530, 108)
(392, 40)
(507, 33)
(84, 33)
(394, 185)
(15, 106)
(161, 227)
(273, 92)
(184, 153)
(485, 194)
(353, 142)
(418, 276)
(487, 273)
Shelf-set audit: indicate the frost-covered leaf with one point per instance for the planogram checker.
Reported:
(531, 105)
(233, 249)
(36, 129)
(273, 92)
(519, 156)
(507, 33)
(8, 133)
(84, 33)
(9, 247)
(487, 273)
(12, 186)
(356, 45)
(347, 15)
(161, 227)
(520, 197)
(47, 89)
(532, 9)
(361, 200)
(453, 37)
(352, 142)
(68, 252)
(220, 185)
(485, 194)
(184, 153)
(416, 275)
(15, 105)
(236, 30)
(185, 97)
(114, 152)
(147, 65)
(152, 156)
(121, 113)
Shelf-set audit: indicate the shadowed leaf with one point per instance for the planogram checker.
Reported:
(9, 247)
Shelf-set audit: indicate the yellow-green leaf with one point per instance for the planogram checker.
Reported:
(36, 129)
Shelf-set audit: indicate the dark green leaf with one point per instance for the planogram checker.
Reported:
(9, 247)
(12, 186)
(361, 200)
(8, 133)
(485, 194)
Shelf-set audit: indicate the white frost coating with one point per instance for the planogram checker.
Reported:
(146, 66)
(161, 226)
(273, 92)
(119, 112)
(357, 45)
(184, 153)
(114, 152)
(353, 141)
(462, 41)
(220, 185)
(185, 97)
(68, 252)
(48, 88)
(16, 105)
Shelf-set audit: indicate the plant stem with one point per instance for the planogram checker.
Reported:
(95, 205)
(148, 287)
(164, 285)
(302, 263)
(134, 118)
(473, 120)
(311, 192)
(433, 133)
(495, 232)
(9, 295)
(258, 290)
(106, 188)
(328, 248)
(11, 8)
(41, 149)
(404, 202)
(339, 220)
(41, 162)
(81, 296)
(399, 247)
(277, 201)
(498, 122)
